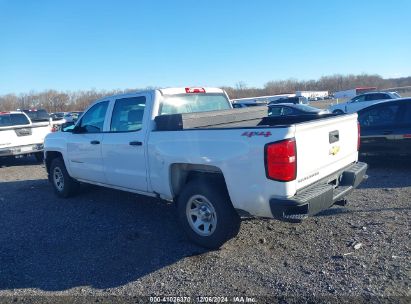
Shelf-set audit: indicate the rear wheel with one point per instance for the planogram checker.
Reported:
(206, 213)
(63, 184)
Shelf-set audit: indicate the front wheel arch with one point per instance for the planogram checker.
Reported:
(63, 184)
(50, 156)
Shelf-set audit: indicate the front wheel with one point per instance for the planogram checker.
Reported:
(64, 186)
(206, 213)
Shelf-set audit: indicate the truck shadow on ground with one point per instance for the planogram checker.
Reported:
(342, 211)
(21, 161)
(387, 162)
(101, 238)
(392, 172)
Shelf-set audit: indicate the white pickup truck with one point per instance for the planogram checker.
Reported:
(19, 136)
(216, 163)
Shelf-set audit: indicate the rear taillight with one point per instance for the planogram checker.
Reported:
(281, 160)
(195, 90)
(359, 136)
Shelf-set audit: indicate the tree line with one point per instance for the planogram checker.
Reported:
(58, 101)
(331, 84)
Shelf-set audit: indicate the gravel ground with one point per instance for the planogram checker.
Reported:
(106, 243)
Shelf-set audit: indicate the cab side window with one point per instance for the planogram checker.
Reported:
(383, 96)
(377, 96)
(359, 98)
(287, 111)
(93, 120)
(274, 111)
(128, 114)
(370, 97)
(381, 116)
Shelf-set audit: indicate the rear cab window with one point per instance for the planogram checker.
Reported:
(191, 103)
(13, 119)
(37, 115)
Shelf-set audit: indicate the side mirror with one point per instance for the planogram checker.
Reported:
(77, 129)
(68, 127)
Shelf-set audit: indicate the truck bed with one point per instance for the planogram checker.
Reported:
(235, 118)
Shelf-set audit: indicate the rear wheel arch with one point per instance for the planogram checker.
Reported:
(181, 174)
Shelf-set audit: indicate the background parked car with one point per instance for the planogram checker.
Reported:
(19, 137)
(61, 119)
(286, 109)
(361, 101)
(246, 104)
(294, 100)
(39, 117)
(57, 116)
(386, 127)
(72, 116)
(57, 119)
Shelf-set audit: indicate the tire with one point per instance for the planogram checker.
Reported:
(39, 156)
(338, 112)
(219, 221)
(64, 186)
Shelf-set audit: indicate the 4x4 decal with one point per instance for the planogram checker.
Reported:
(251, 134)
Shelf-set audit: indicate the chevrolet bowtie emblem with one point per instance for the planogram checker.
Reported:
(334, 150)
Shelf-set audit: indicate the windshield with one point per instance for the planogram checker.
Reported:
(396, 95)
(189, 103)
(38, 115)
(7, 120)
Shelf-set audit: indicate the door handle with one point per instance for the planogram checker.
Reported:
(387, 132)
(135, 143)
(95, 142)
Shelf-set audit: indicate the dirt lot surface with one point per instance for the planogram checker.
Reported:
(105, 242)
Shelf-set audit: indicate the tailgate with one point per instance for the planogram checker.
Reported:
(40, 132)
(324, 147)
(17, 136)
